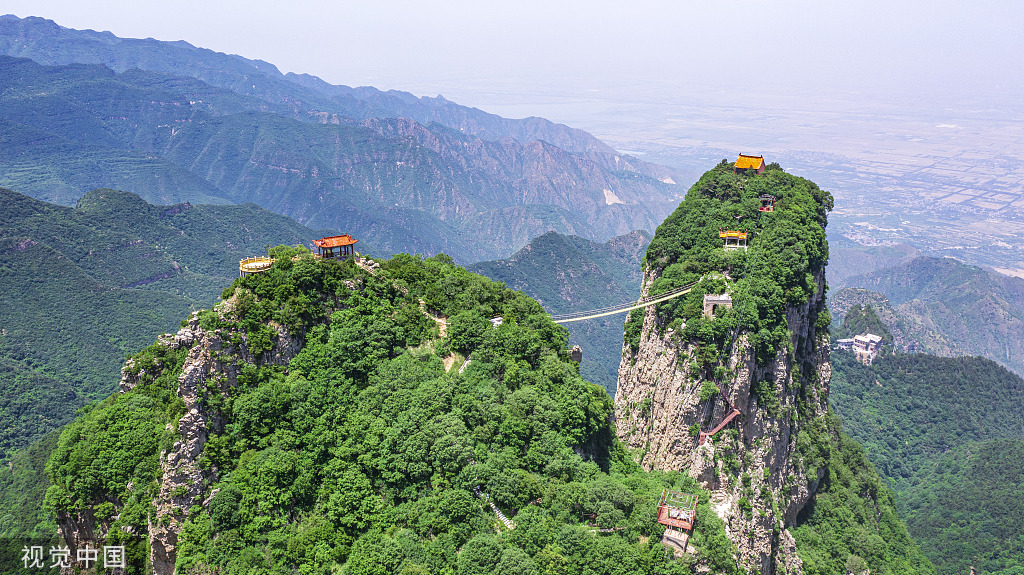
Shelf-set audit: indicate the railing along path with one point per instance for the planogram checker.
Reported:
(622, 308)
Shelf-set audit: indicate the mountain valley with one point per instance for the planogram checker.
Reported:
(571, 274)
(85, 287)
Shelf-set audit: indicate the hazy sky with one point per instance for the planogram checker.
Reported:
(928, 47)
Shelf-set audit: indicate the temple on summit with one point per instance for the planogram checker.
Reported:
(335, 247)
(745, 162)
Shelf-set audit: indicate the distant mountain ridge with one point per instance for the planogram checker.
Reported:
(949, 308)
(47, 42)
(402, 184)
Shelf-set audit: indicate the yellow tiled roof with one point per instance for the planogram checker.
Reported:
(749, 162)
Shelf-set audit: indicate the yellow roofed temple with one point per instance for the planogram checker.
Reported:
(745, 162)
(733, 239)
(732, 234)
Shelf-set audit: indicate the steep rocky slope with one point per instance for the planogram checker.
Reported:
(409, 174)
(761, 367)
(662, 394)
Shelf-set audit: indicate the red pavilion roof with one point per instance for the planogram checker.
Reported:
(334, 241)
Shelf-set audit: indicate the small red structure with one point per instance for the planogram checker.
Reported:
(335, 247)
(745, 162)
(677, 510)
(767, 203)
(728, 418)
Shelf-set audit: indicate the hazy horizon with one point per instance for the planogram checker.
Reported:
(955, 54)
(910, 114)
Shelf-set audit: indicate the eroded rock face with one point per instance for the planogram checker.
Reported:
(658, 410)
(212, 366)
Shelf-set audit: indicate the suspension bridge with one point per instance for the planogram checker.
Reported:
(623, 308)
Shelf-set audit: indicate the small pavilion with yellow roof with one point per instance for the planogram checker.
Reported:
(745, 162)
(734, 239)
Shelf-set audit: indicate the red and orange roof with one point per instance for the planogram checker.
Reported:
(334, 241)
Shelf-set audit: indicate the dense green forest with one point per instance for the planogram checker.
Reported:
(787, 249)
(364, 452)
(23, 484)
(21, 491)
(85, 287)
(851, 524)
(966, 510)
(946, 434)
(906, 409)
(569, 273)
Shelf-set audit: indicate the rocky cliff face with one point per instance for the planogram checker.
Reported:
(211, 368)
(757, 467)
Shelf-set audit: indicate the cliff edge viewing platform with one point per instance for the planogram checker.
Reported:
(328, 247)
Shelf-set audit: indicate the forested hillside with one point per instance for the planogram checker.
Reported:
(787, 253)
(966, 509)
(364, 450)
(330, 432)
(943, 432)
(906, 336)
(84, 287)
(568, 273)
(862, 319)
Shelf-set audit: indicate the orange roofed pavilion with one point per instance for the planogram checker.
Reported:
(334, 247)
(745, 162)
